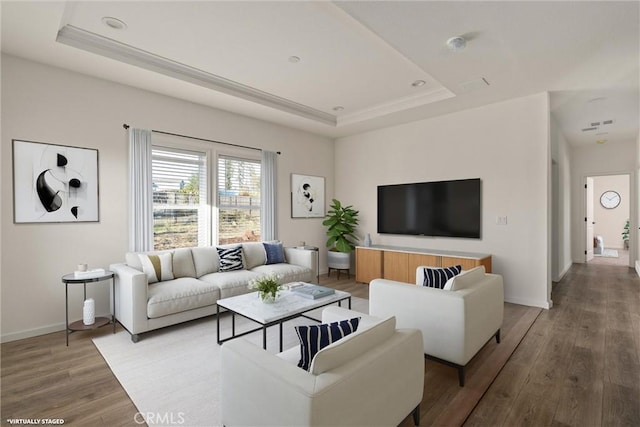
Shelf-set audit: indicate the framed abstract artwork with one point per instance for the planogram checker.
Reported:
(307, 196)
(54, 183)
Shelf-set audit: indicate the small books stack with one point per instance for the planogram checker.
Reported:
(96, 272)
(312, 291)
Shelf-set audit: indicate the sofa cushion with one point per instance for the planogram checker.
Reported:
(254, 254)
(274, 253)
(205, 260)
(230, 258)
(157, 267)
(466, 279)
(352, 347)
(314, 338)
(231, 283)
(178, 295)
(437, 277)
(288, 272)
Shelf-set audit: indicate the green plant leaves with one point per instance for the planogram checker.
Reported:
(341, 222)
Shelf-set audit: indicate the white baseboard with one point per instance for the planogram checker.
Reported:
(15, 336)
(531, 303)
(563, 272)
(44, 330)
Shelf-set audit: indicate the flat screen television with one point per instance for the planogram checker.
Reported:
(441, 208)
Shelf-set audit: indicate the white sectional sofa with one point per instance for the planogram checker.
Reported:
(373, 377)
(456, 323)
(197, 284)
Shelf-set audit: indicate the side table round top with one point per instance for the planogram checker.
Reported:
(71, 277)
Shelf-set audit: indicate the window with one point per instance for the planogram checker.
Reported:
(238, 200)
(179, 198)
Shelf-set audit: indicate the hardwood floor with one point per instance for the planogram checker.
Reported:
(578, 365)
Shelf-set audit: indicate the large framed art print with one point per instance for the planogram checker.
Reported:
(54, 183)
(307, 196)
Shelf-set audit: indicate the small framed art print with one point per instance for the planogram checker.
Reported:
(307, 196)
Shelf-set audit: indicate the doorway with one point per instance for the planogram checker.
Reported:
(608, 210)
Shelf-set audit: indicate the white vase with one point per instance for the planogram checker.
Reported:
(89, 312)
(367, 240)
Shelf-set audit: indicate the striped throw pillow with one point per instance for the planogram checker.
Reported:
(157, 267)
(230, 258)
(316, 337)
(437, 277)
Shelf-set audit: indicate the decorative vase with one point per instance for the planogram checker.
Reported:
(268, 297)
(367, 240)
(89, 312)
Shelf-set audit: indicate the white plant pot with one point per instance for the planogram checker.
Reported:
(339, 260)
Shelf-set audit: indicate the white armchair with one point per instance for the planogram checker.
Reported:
(456, 323)
(373, 377)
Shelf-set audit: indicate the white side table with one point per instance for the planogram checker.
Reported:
(100, 321)
(317, 251)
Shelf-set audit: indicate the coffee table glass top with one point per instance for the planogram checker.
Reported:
(287, 304)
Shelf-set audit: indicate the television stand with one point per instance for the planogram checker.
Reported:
(400, 263)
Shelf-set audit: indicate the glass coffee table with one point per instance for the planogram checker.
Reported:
(287, 306)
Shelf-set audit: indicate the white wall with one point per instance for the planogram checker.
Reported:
(46, 104)
(504, 144)
(561, 204)
(609, 223)
(607, 159)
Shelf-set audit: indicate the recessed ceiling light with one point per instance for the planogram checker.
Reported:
(114, 23)
(418, 83)
(294, 59)
(456, 43)
(338, 108)
(601, 141)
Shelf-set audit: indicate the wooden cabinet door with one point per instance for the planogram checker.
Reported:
(467, 263)
(416, 260)
(368, 265)
(396, 266)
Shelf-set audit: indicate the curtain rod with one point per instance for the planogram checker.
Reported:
(126, 126)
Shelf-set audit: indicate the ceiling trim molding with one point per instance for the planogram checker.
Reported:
(95, 43)
(396, 105)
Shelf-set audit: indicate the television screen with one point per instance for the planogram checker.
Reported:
(442, 208)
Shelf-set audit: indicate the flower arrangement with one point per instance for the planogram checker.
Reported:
(267, 286)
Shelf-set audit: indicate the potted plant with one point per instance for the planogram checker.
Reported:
(341, 222)
(268, 287)
(625, 235)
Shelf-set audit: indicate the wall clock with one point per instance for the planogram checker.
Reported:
(610, 199)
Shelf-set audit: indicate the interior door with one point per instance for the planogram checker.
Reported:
(589, 218)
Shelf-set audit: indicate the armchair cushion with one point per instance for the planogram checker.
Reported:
(437, 277)
(466, 279)
(316, 337)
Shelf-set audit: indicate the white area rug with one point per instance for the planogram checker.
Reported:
(608, 253)
(172, 375)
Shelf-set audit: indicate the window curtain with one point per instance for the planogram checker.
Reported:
(268, 196)
(140, 191)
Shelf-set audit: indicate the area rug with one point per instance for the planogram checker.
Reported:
(172, 375)
(608, 253)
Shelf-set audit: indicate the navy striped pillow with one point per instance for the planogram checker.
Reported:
(437, 277)
(230, 258)
(316, 337)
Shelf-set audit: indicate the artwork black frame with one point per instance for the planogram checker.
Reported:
(54, 183)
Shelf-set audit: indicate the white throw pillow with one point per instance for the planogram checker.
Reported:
(466, 279)
(157, 267)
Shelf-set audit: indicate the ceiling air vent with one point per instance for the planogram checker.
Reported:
(607, 122)
(588, 129)
(594, 124)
